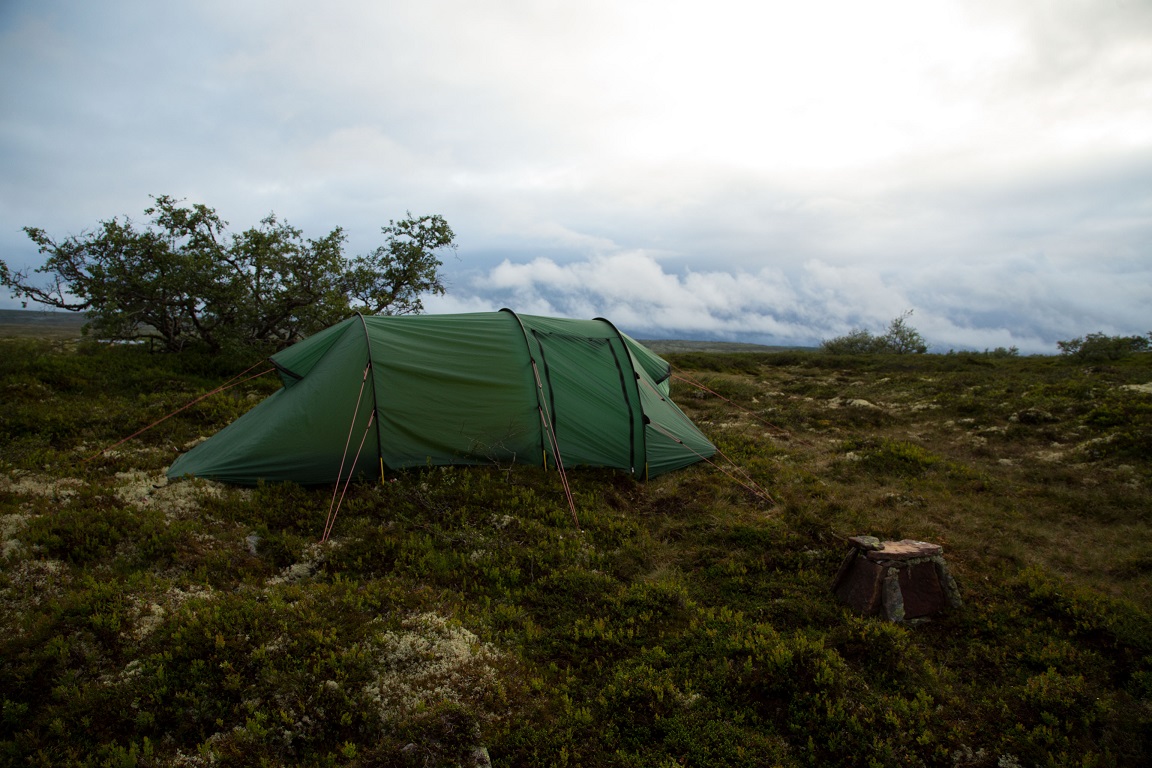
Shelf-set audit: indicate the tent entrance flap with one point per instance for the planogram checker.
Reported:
(593, 414)
(453, 389)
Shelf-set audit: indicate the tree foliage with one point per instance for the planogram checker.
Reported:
(391, 279)
(900, 339)
(184, 279)
(1099, 347)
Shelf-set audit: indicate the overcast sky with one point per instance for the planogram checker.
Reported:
(774, 172)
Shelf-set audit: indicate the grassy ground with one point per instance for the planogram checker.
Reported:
(32, 324)
(689, 623)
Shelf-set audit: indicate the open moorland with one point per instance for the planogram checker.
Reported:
(33, 324)
(458, 615)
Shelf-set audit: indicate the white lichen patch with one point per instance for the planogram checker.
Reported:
(23, 484)
(429, 661)
(310, 562)
(193, 443)
(135, 487)
(1145, 388)
(501, 521)
(205, 756)
(847, 402)
(176, 500)
(131, 671)
(126, 451)
(1095, 443)
(149, 613)
(30, 584)
(294, 572)
(10, 526)
(150, 618)
(182, 500)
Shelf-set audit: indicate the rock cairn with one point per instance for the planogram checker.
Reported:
(900, 580)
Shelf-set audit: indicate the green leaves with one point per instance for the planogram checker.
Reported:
(1097, 347)
(183, 279)
(900, 339)
(391, 279)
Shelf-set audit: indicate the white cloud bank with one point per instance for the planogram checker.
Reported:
(763, 170)
(1022, 303)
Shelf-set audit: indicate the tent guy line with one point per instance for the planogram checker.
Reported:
(334, 506)
(333, 512)
(546, 420)
(225, 386)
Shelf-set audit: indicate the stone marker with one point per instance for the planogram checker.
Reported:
(899, 579)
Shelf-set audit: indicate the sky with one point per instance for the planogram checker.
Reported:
(757, 171)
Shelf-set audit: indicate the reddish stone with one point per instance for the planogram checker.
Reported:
(860, 586)
(920, 586)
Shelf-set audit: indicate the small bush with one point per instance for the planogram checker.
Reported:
(1097, 347)
(890, 457)
(900, 339)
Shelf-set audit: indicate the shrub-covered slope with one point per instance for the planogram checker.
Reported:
(689, 622)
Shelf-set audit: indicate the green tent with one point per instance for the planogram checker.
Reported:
(418, 390)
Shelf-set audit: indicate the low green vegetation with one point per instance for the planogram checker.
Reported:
(899, 339)
(1100, 347)
(689, 622)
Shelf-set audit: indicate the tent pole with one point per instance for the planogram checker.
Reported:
(375, 403)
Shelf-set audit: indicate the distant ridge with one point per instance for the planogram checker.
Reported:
(30, 323)
(673, 346)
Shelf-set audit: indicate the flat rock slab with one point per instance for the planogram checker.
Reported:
(865, 542)
(906, 549)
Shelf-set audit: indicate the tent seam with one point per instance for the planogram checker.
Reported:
(531, 359)
(644, 419)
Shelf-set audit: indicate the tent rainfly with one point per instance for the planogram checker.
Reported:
(479, 388)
